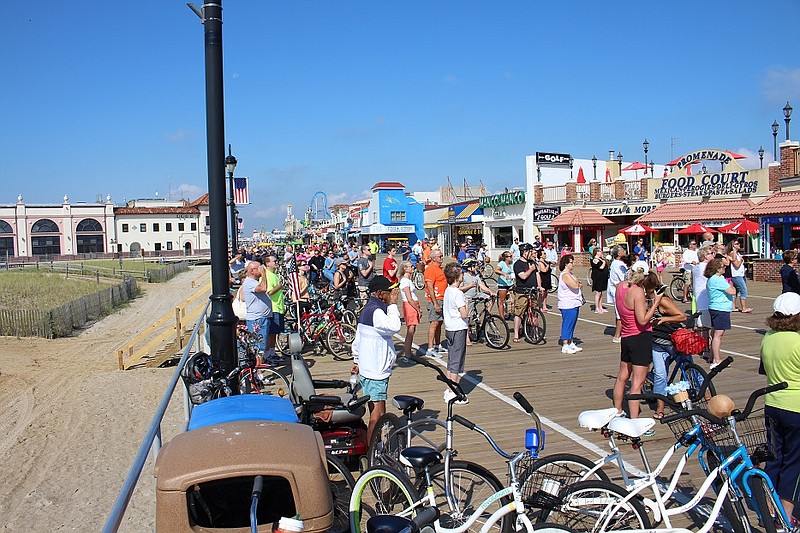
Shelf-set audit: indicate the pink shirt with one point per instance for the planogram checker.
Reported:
(630, 326)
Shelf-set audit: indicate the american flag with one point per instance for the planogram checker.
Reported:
(294, 280)
(241, 194)
(241, 223)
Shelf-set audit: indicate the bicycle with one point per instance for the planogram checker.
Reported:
(322, 330)
(418, 279)
(677, 285)
(384, 490)
(486, 325)
(533, 321)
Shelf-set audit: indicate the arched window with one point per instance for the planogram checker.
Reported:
(89, 237)
(5, 227)
(89, 225)
(44, 225)
(6, 243)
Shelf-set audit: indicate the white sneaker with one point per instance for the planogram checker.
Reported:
(448, 395)
(567, 348)
(441, 349)
(575, 347)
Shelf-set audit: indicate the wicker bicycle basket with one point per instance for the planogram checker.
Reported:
(753, 433)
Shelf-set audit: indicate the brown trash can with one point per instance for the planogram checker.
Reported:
(204, 478)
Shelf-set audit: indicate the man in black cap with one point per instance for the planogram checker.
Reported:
(373, 347)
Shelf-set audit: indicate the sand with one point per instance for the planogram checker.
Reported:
(71, 422)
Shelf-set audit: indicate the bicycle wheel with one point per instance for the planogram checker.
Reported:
(696, 376)
(487, 270)
(473, 332)
(496, 331)
(349, 317)
(767, 505)
(268, 381)
(470, 485)
(553, 473)
(587, 505)
(419, 280)
(380, 490)
(339, 340)
(534, 326)
(547, 527)
(382, 442)
(341, 484)
(491, 283)
(553, 283)
(676, 288)
(429, 432)
(732, 508)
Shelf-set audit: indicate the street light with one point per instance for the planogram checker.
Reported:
(570, 167)
(703, 169)
(619, 160)
(230, 165)
(594, 167)
(775, 127)
(652, 170)
(645, 145)
(787, 115)
(761, 155)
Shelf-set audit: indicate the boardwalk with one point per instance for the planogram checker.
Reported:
(560, 386)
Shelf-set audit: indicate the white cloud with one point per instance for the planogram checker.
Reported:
(178, 136)
(450, 78)
(751, 160)
(188, 190)
(781, 84)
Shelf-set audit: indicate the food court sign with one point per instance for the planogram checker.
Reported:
(730, 181)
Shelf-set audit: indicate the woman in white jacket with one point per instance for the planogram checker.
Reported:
(373, 347)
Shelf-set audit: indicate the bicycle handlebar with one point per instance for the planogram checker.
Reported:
(753, 397)
(700, 394)
(737, 415)
(714, 371)
(452, 385)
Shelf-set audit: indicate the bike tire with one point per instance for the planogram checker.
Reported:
(496, 332)
(339, 340)
(534, 326)
(560, 469)
(490, 283)
(676, 288)
(548, 527)
(696, 376)
(473, 331)
(766, 506)
(487, 270)
(419, 280)
(470, 485)
(349, 317)
(582, 504)
(380, 490)
(268, 382)
(380, 442)
(430, 432)
(341, 484)
(732, 508)
(553, 283)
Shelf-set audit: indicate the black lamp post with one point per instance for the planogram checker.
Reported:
(775, 127)
(652, 170)
(619, 160)
(230, 166)
(703, 169)
(645, 145)
(594, 167)
(761, 155)
(570, 167)
(787, 116)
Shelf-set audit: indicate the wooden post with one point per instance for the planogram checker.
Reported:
(119, 359)
(178, 336)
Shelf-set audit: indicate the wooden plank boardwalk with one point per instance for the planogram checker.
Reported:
(560, 386)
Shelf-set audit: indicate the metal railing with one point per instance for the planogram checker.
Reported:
(152, 439)
(583, 191)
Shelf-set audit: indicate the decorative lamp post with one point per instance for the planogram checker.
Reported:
(761, 155)
(652, 170)
(619, 160)
(230, 166)
(703, 169)
(645, 145)
(571, 160)
(787, 116)
(594, 167)
(775, 127)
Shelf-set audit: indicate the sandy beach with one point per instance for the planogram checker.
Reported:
(72, 422)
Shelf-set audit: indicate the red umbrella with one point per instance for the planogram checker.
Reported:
(638, 229)
(735, 155)
(635, 166)
(608, 175)
(696, 229)
(581, 179)
(674, 162)
(742, 227)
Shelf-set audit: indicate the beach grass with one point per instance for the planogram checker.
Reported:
(42, 290)
(128, 265)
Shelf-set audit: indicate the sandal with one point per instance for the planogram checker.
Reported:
(658, 416)
(748, 310)
(516, 340)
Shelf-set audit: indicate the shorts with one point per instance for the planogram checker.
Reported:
(276, 324)
(720, 320)
(637, 349)
(783, 428)
(433, 316)
(687, 275)
(410, 314)
(456, 350)
(378, 389)
(741, 286)
(520, 303)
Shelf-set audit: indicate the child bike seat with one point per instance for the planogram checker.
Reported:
(597, 418)
(631, 427)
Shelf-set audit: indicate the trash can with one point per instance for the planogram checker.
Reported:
(204, 478)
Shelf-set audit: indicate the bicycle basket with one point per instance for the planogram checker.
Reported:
(753, 433)
(688, 342)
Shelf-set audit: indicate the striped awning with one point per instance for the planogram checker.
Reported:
(467, 211)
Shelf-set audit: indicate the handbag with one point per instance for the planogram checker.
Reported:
(239, 307)
(688, 342)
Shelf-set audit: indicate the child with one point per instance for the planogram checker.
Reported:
(454, 310)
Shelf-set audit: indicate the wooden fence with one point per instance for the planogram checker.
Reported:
(62, 321)
(160, 275)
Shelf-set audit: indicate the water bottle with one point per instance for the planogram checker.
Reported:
(353, 382)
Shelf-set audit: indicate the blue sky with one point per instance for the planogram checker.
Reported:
(108, 97)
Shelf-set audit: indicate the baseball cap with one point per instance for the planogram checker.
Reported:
(787, 304)
(380, 283)
(643, 265)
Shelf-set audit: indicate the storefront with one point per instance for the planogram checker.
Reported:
(671, 217)
(577, 226)
(779, 221)
(457, 222)
(503, 220)
(542, 218)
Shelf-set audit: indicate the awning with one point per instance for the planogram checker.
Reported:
(685, 213)
(579, 218)
(444, 218)
(779, 203)
(467, 211)
(431, 226)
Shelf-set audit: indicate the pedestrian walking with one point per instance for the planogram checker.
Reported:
(720, 305)
(570, 300)
(411, 307)
(738, 280)
(505, 280)
(435, 285)
(599, 275)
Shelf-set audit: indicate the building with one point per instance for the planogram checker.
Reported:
(161, 227)
(392, 215)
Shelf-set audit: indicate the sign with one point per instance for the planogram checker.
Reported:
(498, 212)
(506, 198)
(624, 209)
(788, 219)
(547, 158)
(723, 183)
(399, 229)
(708, 155)
(545, 214)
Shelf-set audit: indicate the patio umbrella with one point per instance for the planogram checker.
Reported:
(635, 166)
(608, 175)
(581, 178)
(741, 227)
(638, 229)
(735, 155)
(696, 229)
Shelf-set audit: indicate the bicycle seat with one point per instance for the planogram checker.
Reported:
(419, 457)
(631, 427)
(597, 418)
(408, 404)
